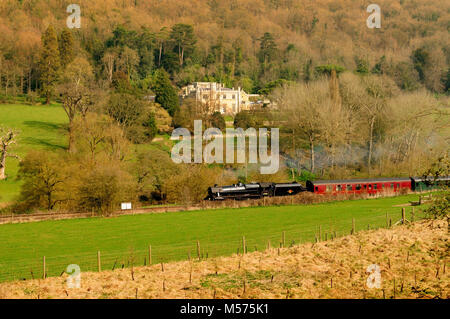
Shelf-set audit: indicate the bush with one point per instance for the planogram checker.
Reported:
(103, 187)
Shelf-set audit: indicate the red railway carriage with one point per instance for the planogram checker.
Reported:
(359, 186)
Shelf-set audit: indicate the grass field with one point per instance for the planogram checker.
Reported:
(411, 259)
(124, 240)
(40, 127)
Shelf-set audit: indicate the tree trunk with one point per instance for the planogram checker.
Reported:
(71, 137)
(160, 53)
(369, 160)
(3, 164)
(312, 158)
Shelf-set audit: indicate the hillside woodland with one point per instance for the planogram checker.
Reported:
(350, 101)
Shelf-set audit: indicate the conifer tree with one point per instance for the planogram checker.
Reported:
(49, 63)
(165, 93)
(66, 49)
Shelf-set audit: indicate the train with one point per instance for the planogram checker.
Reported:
(373, 186)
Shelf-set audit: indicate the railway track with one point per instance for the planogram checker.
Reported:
(24, 218)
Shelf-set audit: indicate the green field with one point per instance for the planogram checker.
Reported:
(124, 240)
(40, 127)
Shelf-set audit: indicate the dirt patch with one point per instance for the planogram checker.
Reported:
(411, 258)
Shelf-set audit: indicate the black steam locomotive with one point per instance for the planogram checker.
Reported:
(254, 190)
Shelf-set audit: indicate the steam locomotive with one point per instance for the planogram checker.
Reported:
(356, 186)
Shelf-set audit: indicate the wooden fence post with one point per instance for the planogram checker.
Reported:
(149, 255)
(99, 262)
(244, 249)
(412, 215)
(403, 216)
(283, 239)
(198, 249)
(320, 232)
(44, 273)
(353, 226)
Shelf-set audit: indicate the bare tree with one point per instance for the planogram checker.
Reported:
(76, 90)
(8, 137)
(304, 108)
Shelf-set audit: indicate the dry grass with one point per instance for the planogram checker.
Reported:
(412, 256)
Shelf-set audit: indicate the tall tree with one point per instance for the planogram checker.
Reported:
(268, 49)
(49, 64)
(184, 39)
(76, 89)
(165, 93)
(66, 48)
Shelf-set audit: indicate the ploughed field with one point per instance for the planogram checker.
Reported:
(124, 241)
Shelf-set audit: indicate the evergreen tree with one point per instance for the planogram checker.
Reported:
(165, 93)
(49, 63)
(66, 49)
(184, 38)
(268, 49)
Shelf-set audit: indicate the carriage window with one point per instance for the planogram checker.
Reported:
(370, 186)
(349, 187)
(365, 186)
(375, 186)
(339, 188)
(358, 187)
(392, 185)
(382, 185)
(329, 188)
(317, 189)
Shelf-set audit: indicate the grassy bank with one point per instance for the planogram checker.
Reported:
(124, 240)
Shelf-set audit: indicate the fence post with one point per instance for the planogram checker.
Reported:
(44, 273)
(320, 232)
(99, 262)
(353, 226)
(283, 239)
(149, 255)
(244, 250)
(403, 216)
(412, 215)
(198, 249)
(387, 220)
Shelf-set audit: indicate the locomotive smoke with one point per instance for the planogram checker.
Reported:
(213, 151)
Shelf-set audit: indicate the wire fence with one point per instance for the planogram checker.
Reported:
(33, 268)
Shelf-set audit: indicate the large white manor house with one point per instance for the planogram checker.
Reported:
(226, 100)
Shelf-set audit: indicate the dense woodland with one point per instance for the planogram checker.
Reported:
(250, 43)
(350, 101)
